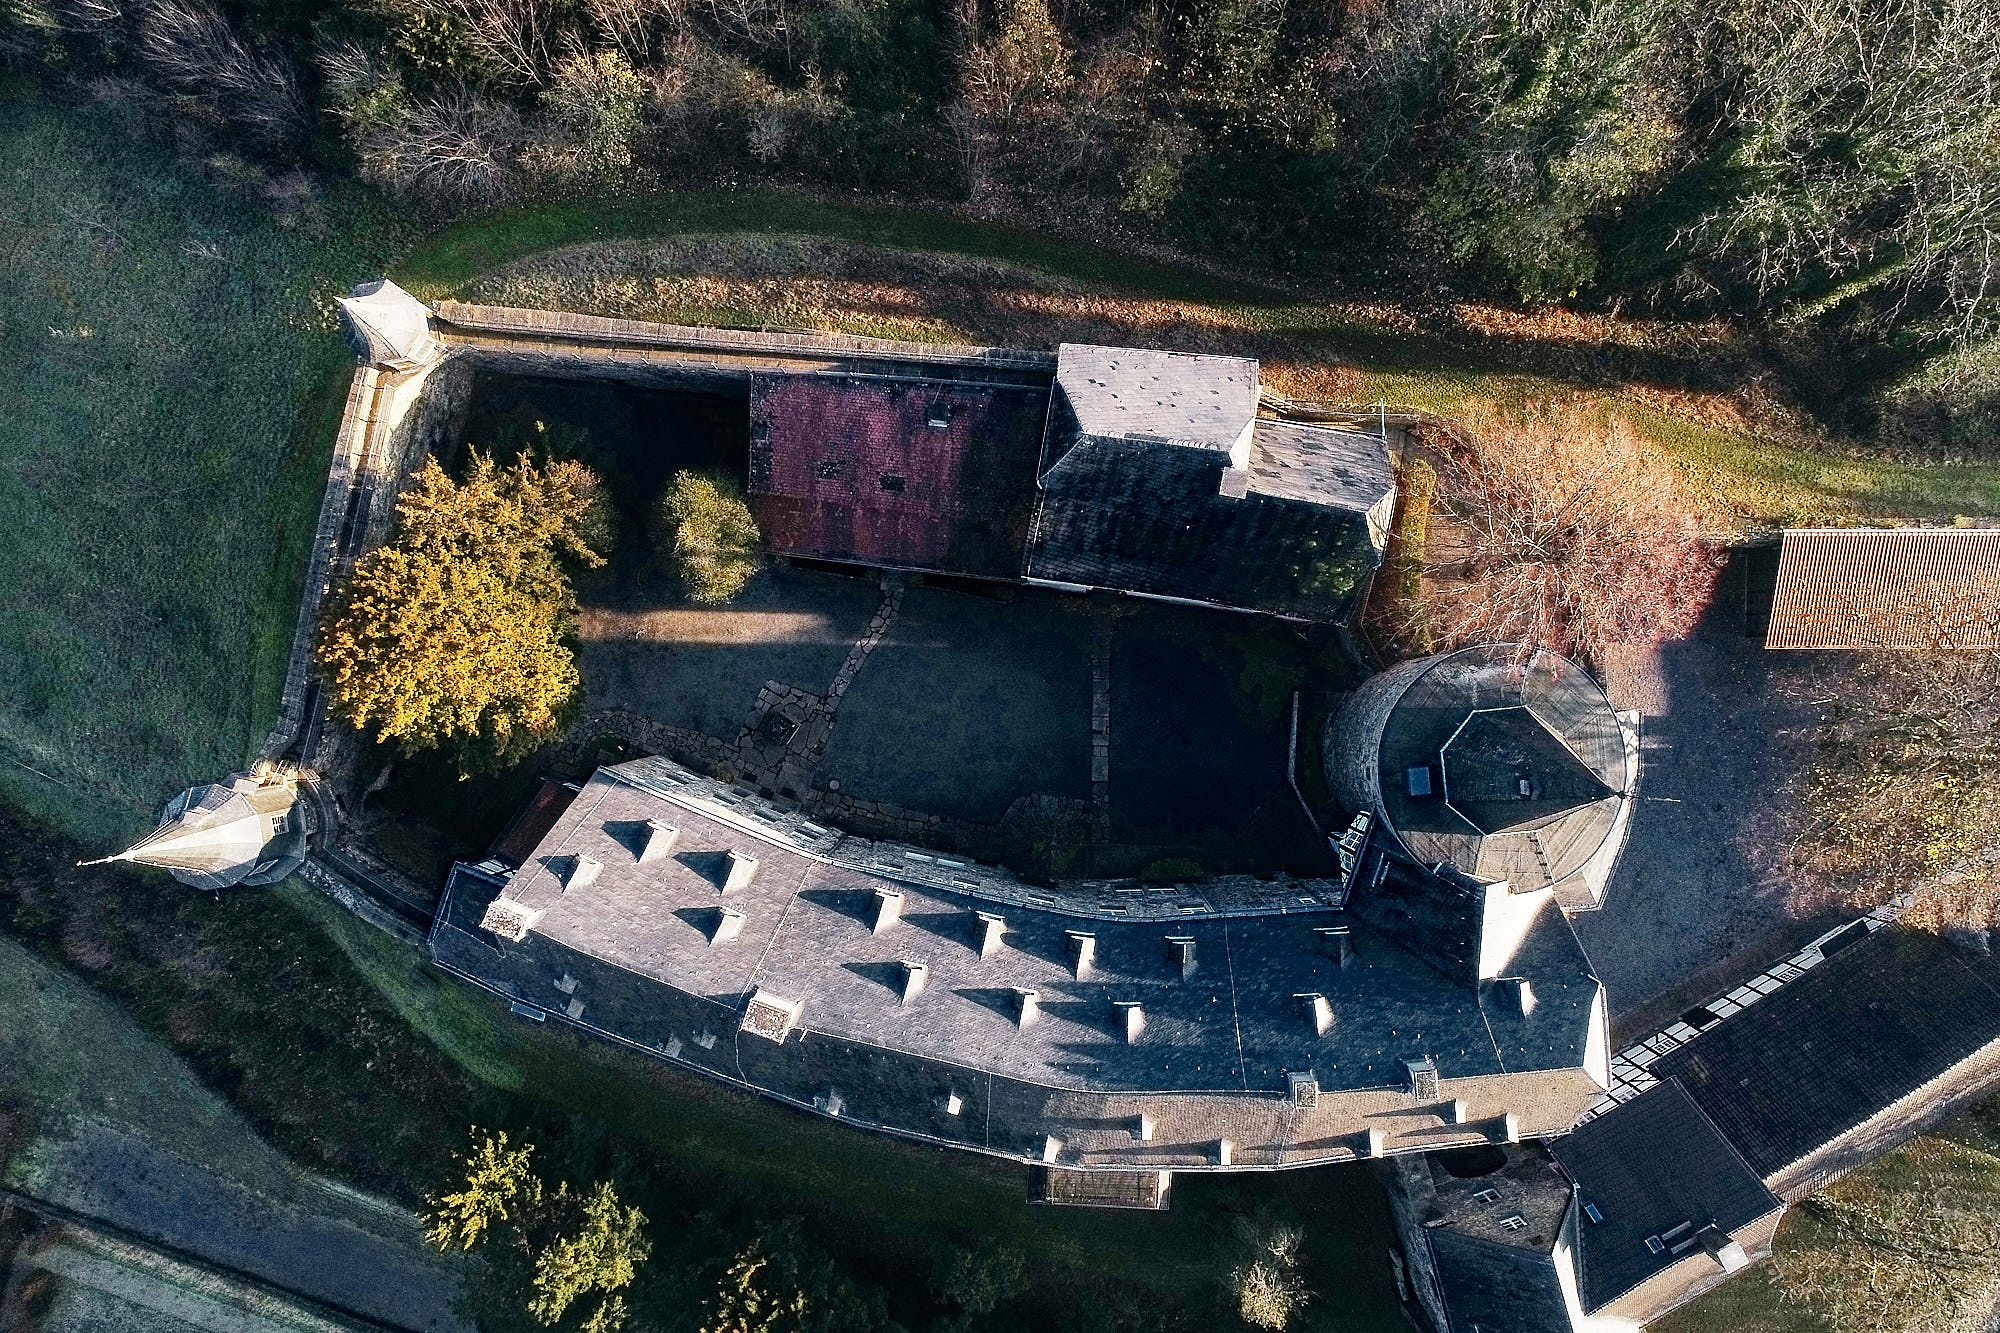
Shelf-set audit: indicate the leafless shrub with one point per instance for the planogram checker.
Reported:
(1904, 794)
(635, 26)
(1563, 534)
(506, 40)
(1269, 1290)
(192, 49)
(453, 150)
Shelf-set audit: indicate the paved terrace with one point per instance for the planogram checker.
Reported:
(1203, 1077)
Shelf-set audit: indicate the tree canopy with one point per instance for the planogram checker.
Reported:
(557, 1246)
(1560, 532)
(453, 635)
(707, 533)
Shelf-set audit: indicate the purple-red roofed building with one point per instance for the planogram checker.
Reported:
(906, 473)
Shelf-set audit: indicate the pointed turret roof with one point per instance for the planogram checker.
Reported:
(390, 327)
(248, 830)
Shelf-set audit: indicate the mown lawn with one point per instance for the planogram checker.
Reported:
(169, 382)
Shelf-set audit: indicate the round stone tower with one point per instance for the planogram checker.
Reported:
(1508, 763)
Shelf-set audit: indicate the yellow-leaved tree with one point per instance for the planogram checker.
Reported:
(454, 634)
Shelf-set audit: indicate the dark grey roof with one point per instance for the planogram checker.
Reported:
(1481, 722)
(1653, 1168)
(1319, 465)
(1212, 1058)
(1872, 1024)
(1498, 1288)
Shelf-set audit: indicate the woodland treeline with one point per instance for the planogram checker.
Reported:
(1831, 166)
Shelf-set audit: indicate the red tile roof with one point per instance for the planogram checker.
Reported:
(913, 473)
(1887, 588)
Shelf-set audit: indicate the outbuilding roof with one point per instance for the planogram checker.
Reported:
(1887, 588)
(1654, 1174)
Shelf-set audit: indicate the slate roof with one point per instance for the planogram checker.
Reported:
(247, 830)
(1210, 1062)
(1495, 1288)
(1320, 465)
(1154, 397)
(1482, 722)
(1887, 588)
(1804, 1065)
(914, 473)
(1654, 1167)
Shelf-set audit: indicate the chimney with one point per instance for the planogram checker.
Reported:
(831, 1102)
(1510, 1128)
(1335, 942)
(1522, 992)
(951, 1103)
(657, 841)
(1135, 1019)
(741, 867)
(992, 930)
(1082, 951)
(1461, 1113)
(1375, 1144)
(583, 871)
(1142, 1128)
(1027, 1006)
(1180, 952)
(1319, 1009)
(1051, 1148)
(728, 925)
(1225, 1152)
(914, 976)
(888, 909)
(1423, 1075)
(1304, 1088)
(1719, 1246)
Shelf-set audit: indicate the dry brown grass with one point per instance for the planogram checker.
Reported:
(1693, 392)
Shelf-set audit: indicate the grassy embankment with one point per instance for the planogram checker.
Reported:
(170, 378)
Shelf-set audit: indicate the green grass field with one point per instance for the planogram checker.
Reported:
(169, 381)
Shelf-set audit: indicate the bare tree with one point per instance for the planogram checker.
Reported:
(454, 149)
(1904, 795)
(506, 40)
(191, 48)
(1561, 532)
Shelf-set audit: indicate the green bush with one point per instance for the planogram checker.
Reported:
(707, 533)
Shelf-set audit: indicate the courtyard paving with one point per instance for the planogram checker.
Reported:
(969, 703)
(1725, 723)
(645, 648)
(1162, 731)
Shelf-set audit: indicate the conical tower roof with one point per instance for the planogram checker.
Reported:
(249, 830)
(390, 327)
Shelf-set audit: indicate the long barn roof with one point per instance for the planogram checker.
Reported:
(1887, 588)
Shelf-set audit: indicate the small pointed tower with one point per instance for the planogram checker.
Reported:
(388, 326)
(250, 829)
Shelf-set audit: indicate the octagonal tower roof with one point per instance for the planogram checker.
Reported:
(1508, 767)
